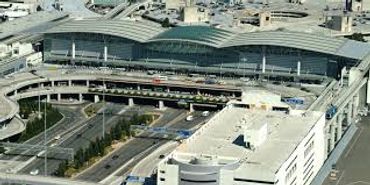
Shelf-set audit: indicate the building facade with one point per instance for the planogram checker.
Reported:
(260, 147)
(199, 48)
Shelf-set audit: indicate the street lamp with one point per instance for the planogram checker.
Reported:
(103, 134)
(45, 142)
(245, 64)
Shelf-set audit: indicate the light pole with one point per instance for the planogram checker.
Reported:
(45, 142)
(38, 93)
(103, 134)
(245, 65)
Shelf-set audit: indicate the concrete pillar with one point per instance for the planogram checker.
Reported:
(48, 97)
(70, 83)
(15, 92)
(59, 97)
(105, 53)
(96, 99)
(161, 105)
(80, 97)
(263, 60)
(349, 112)
(73, 50)
(41, 85)
(299, 68)
(138, 87)
(52, 84)
(355, 104)
(339, 124)
(87, 83)
(191, 107)
(332, 136)
(131, 102)
(168, 90)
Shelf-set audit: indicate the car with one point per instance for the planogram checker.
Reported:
(162, 156)
(34, 172)
(115, 157)
(57, 137)
(189, 118)
(78, 135)
(107, 166)
(205, 113)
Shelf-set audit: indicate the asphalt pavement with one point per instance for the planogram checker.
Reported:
(79, 137)
(354, 164)
(71, 115)
(122, 161)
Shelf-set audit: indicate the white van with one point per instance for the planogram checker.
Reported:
(205, 113)
(190, 118)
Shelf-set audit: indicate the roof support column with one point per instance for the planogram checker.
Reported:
(263, 59)
(73, 49)
(298, 68)
(105, 53)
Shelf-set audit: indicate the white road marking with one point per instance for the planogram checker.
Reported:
(352, 183)
(340, 178)
(353, 144)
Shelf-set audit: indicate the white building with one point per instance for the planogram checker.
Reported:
(241, 146)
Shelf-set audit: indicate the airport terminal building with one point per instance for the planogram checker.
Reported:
(200, 49)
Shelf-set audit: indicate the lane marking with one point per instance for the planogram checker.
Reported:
(352, 183)
(354, 143)
(340, 177)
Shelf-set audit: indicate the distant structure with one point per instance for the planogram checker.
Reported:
(192, 14)
(339, 21)
(107, 2)
(174, 4)
(361, 5)
(296, 1)
(264, 18)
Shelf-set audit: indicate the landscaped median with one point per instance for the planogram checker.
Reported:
(92, 109)
(189, 98)
(35, 125)
(86, 157)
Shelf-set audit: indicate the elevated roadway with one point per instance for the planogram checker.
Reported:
(131, 9)
(116, 11)
(49, 81)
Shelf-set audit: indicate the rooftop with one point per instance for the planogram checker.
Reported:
(221, 137)
(133, 30)
(10, 28)
(218, 38)
(203, 34)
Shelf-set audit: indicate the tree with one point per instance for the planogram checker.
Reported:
(38, 8)
(62, 168)
(357, 37)
(2, 150)
(166, 23)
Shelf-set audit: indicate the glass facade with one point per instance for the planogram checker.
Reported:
(190, 55)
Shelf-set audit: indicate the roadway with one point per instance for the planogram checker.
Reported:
(76, 8)
(79, 137)
(71, 115)
(136, 149)
(354, 165)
